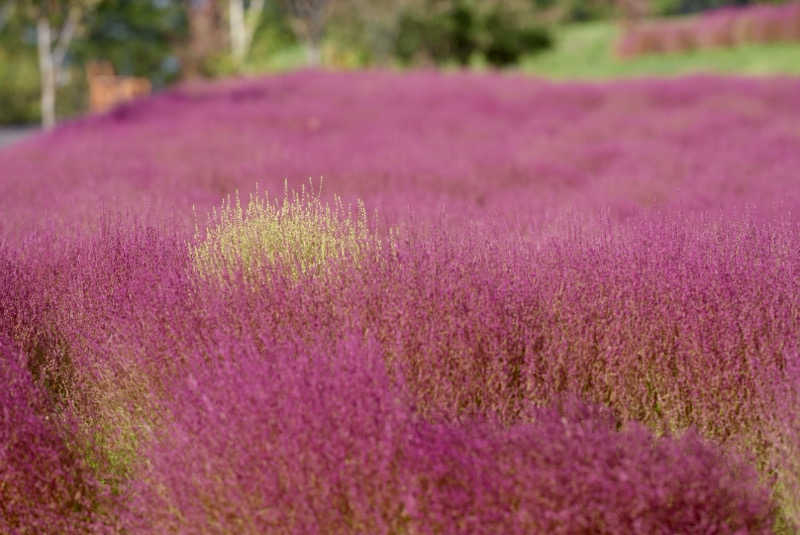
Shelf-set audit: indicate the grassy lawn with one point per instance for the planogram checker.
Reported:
(586, 51)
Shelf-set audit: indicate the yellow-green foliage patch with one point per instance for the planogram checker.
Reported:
(299, 234)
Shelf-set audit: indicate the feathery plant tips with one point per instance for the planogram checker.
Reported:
(299, 234)
(575, 310)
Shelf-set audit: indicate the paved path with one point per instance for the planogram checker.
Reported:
(9, 135)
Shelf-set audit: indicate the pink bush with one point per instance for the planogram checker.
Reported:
(631, 245)
(724, 27)
(304, 444)
(44, 487)
(572, 472)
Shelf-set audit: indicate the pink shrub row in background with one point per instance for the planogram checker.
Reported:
(586, 320)
(525, 149)
(725, 27)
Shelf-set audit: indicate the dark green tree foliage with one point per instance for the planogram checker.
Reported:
(463, 27)
(446, 36)
(585, 10)
(455, 33)
(19, 77)
(508, 40)
(685, 7)
(138, 38)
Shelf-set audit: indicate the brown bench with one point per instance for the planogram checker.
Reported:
(106, 89)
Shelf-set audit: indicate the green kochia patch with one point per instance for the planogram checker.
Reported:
(299, 235)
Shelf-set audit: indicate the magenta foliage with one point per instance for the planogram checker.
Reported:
(490, 144)
(345, 455)
(572, 472)
(282, 441)
(44, 487)
(722, 27)
(268, 427)
(632, 245)
(694, 323)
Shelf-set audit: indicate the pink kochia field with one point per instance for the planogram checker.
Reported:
(406, 303)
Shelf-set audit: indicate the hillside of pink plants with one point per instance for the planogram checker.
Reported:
(500, 305)
(722, 27)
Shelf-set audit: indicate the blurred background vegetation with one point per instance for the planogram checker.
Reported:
(166, 41)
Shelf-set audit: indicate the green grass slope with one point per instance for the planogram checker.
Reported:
(586, 51)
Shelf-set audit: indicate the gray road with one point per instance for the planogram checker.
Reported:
(9, 135)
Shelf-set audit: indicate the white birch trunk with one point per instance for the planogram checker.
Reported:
(313, 54)
(47, 70)
(243, 22)
(51, 58)
(238, 29)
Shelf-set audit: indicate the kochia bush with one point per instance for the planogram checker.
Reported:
(293, 364)
(300, 234)
(44, 487)
(324, 441)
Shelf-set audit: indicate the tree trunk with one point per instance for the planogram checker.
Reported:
(316, 28)
(310, 23)
(207, 35)
(47, 70)
(313, 54)
(243, 22)
(238, 30)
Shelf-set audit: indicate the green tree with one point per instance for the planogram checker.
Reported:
(57, 23)
(140, 38)
(309, 18)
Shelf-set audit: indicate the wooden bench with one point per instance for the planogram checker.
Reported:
(106, 89)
